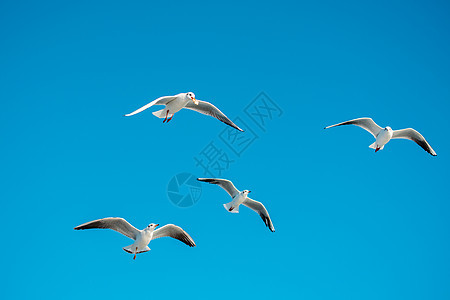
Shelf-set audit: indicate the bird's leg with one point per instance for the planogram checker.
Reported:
(231, 208)
(169, 119)
(135, 253)
(376, 150)
(167, 113)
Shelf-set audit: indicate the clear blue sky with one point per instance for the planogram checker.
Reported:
(351, 224)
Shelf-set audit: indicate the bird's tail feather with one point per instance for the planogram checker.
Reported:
(374, 146)
(228, 206)
(162, 113)
(132, 249)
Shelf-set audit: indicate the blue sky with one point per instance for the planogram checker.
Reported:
(351, 224)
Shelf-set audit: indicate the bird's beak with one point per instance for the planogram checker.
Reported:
(156, 225)
(249, 192)
(195, 100)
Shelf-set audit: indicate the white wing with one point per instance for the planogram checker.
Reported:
(413, 135)
(227, 185)
(261, 210)
(208, 109)
(160, 101)
(117, 224)
(174, 232)
(365, 123)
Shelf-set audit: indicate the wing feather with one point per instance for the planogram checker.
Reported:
(414, 135)
(227, 185)
(118, 224)
(175, 232)
(160, 101)
(365, 123)
(208, 109)
(261, 210)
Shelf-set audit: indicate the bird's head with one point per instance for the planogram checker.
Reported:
(152, 226)
(246, 192)
(388, 128)
(191, 96)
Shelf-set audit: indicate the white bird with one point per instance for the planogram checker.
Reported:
(175, 103)
(241, 198)
(141, 237)
(384, 135)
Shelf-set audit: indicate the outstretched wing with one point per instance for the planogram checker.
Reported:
(414, 135)
(365, 123)
(160, 101)
(208, 109)
(175, 232)
(117, 224)
(261, 210)
(227, 185)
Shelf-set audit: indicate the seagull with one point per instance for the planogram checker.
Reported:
(384, 135)
(141, 237)
(240, 198)
(175, 103)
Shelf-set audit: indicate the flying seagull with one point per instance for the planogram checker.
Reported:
(384, 135)
(240, 198)
(141, 237)
(175, 103)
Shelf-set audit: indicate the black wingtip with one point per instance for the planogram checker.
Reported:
(205, 179)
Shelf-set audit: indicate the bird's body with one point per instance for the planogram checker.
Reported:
(141, 243)
(384, 135)
(142, 238)
(174, 104)
(233, 206)
(180, 102)
(239, 198)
